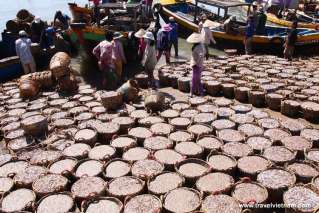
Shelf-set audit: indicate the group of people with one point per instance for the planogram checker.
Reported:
(43, 34)
(151, 46)
(256, 23)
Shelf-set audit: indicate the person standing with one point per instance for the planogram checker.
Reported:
(156, 17)
(262, 19)
(249, 33)
(149, 4)
(149, 58)
(291, 41)
(37, 30)
(163, 43)
(103, 53)
(255, 12)
(207, 37)
(202, 20)
(118, 55)
(64, 20)
(23, 50)
(173, 35)
(197, 63)
(96, 11)
(141, 43)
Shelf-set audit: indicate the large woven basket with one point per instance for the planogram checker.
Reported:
(290, 108)
(273, 101)
(112, 100)
(59, 64)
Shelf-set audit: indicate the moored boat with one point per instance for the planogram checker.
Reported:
(125, 18)
(185, 14)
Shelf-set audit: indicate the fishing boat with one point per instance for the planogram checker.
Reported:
(305, 18)
(121, 17)
(185, 14)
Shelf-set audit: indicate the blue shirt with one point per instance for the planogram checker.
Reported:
(173, 34)
(163, 42)
(250, 29)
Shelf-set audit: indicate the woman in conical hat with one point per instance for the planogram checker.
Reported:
(197, 63)
(141, 43)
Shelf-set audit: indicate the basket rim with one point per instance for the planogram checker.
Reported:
(184, 188)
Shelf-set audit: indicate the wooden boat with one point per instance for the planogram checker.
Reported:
(304, 21)
(124, 20)
(185, 14)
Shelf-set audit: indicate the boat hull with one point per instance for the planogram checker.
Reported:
(268, 44)
(274, 19)
(10, 68)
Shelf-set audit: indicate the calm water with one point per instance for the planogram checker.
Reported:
(43, 8)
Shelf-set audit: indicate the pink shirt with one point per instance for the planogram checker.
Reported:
(103, 52)
(118, 51)
(141, 46)
(96, 2)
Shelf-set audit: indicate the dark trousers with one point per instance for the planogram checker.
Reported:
(175, 44)
(96, 14)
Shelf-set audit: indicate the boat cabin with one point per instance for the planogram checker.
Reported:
(224, 8)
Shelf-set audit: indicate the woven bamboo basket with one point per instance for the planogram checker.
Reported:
(241, 94)
(184, 84)
(310, 111)
(112, 100)
(229, 90)
(142, 80)
(154, 101)
(59, 64)
(257, 98)
(290, 108)
(213, 88)
(273, 101)
(303, 194)
(276, 190)
(28, 88)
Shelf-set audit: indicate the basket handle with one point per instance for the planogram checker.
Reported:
(245, 179)
(31, 205)
(106, 157)
(252, 201)
(66, 173)
(11, 174)
(127, 199)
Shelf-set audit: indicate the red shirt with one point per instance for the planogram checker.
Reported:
(96, 2)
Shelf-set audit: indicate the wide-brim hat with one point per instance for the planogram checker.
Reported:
(22, 33)
(208, 23)
(167, 28)
(149, 35)
(195, 38)
(140, 33)
(117, 35)
(37, 19)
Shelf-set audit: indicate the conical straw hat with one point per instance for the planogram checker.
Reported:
(194, 38)
(140, 33)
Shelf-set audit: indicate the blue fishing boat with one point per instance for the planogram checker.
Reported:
(10, 66)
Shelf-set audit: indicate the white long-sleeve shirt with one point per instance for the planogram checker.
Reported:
(23, 50)
(149, 58)
(207, 35)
